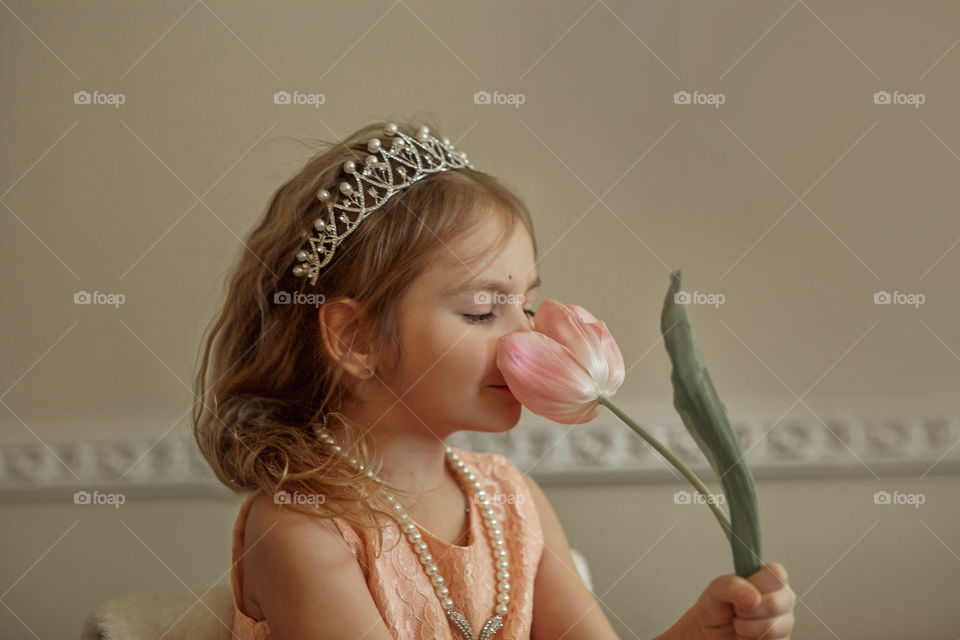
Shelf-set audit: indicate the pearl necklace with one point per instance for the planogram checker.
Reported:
(408, 527)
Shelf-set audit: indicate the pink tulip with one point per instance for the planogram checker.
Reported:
(569, 366)
(562, 368)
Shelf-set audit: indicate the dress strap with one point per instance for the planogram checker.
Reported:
(351, 537)
(236, 550)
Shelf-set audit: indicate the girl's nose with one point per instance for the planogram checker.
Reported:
(519, 320)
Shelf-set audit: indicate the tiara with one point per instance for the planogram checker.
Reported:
(385, 172)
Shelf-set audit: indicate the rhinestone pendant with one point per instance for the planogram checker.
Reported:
(489, 629)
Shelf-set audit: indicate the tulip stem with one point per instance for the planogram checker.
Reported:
(674, 460)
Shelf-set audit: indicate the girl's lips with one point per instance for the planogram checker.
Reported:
(504, 389)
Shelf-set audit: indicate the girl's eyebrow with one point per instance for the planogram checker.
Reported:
(490, 285)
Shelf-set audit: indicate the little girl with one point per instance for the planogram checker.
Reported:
(359, 331)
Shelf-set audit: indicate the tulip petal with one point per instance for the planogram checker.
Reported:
(565, 326)
(585, 315)
(546, 377)
(611, 355)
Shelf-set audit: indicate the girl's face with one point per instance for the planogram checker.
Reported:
(450, 322)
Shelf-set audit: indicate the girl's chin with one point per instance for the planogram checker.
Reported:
(492, 427)
(495, 415)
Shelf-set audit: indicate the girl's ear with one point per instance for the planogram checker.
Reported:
(342, 331)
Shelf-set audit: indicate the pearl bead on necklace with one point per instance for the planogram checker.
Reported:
(409, 528)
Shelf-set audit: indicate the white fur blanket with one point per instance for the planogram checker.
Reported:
(172, 616)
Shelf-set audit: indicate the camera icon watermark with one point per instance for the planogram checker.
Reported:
(298, 98)
(896, 97)
(886, 497)
(899, 297)
(695, 497)
(297, 297)
(295, 497)
(95, 97)
(99, 297)
(699, 297)
(696, 97)
(512, 99)
(86, 497)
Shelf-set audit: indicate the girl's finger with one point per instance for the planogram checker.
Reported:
(725, 594)
(766, 629)
(773, 604)
(770, 577)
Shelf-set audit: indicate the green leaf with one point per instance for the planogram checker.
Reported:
(705, 417)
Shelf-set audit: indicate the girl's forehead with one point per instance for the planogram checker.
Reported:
(486, 254)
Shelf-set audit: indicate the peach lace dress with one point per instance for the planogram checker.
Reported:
(402, 590)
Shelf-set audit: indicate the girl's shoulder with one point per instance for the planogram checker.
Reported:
(266, 523)
(268, 508)
(267, 534)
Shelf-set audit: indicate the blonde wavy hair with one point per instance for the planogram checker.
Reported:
(266, 382)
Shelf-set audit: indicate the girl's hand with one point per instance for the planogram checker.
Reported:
(733, 608)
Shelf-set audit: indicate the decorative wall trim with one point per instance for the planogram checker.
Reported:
(608, 452)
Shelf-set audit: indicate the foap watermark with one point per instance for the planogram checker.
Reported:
(498, 297)
(511, 99)
(99, 297)
(912, 499)
(897, 97)
(112, 499)
(96, 97)
(297, 297)
(699, 297)
(299, 98)
(899, 297)
(503, 498)
(295, 497)
(696, 97)
(695, 497)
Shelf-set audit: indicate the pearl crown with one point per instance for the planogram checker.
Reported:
(388, 169)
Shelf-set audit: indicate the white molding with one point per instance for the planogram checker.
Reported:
(608, 452)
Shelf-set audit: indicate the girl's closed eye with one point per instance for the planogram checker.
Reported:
(483, 318)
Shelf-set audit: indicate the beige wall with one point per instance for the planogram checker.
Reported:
(797, 199)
